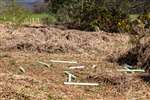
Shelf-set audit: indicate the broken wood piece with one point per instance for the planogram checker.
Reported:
(127, 66)
(68, 73)
(71, 76)
(131, 70)
(76, 67)
(73, 83)
(22, 69)
(94, 66)
(127, 70)
(58, 61)
(45, 64)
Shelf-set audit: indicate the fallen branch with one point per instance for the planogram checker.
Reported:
(131, 70)
(76, 67)
(70, 76)
(73, 83)
(94, 66)
(22, 69)
(57, 61)
(45, 64)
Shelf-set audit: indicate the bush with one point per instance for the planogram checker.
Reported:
(65, 10)
(111, 20)
(145, 19)
(91, 15)
(49, 20)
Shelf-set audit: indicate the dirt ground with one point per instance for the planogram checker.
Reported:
(23, 78)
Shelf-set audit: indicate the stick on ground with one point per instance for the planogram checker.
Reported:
(73, 83)
(77, 67)
(45, 64)
(58, 61)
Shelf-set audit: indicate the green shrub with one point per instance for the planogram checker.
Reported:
(107, 18)
(111, 16)
(145, 19)
(49, 20)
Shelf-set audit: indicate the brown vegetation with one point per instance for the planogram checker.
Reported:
(28, 45)
(54, 40)
(138, 56)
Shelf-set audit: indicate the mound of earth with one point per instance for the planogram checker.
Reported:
(54, 40)
(22, 77)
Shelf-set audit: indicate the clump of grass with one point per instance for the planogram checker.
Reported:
(3, 55)
(50, 97)
(12, 62)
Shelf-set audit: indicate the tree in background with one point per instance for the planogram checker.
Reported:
(107, 15)
(91, 14)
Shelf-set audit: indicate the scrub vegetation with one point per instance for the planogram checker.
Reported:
(107, 37)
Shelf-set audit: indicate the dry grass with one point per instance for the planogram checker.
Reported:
(88, 48)
(52, 40)
(138, 57)
(40, 82)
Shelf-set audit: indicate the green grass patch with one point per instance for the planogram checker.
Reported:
(42, 15)
(133, 16)
(43, 18)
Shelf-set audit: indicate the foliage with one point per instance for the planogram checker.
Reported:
(140, 28)
(145, 19)
(65, 10)
(50, 19)
(107, 15)
(15, 15)
(90, 15)
(19, 16)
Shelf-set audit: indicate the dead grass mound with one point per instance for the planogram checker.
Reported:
(138, 56)
(54, 40)
(121, 83)
(108, 79)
